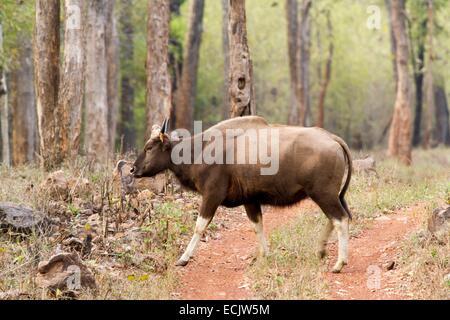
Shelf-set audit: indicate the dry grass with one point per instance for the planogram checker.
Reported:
(294, 272)
(133, 259)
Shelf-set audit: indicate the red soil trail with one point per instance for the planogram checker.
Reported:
(218, 268)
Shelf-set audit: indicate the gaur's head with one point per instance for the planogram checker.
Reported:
(156, 155)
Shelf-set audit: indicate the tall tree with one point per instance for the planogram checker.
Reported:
(113, 62)
(299, 33)
(46, 66)
(24, 133)
(96, 96)
(292, 35)
(241, 70)
(4, 110)
(72, 77)
(187, 91)
(226, 59)
(327, 74)
(159, 91)
(126, 127)
(400, 134)
(429, 86)
(442, 115)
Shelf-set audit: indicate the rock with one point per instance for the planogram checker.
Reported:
(20, 217)
(56, 186)
(439, 221)
(66, 272)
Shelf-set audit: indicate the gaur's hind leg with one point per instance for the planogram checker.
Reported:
(324, 236)
(207, 211)
(255, 215)
(334, 210)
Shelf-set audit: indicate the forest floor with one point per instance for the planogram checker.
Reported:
(132, 248)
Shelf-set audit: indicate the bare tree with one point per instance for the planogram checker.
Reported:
(126, 128)
(299, 32)
(24, 122)
(72, 77)
(442, 115)
(113, 61)
(46, 66)
(327, 74)
(226, 59)
(400, 133)
(96, 96)
(292, 31)
(429, 86)
(159, 89)
(187, 91)
(4, 109)
(241, 70)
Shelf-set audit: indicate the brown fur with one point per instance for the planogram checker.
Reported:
(312, 164)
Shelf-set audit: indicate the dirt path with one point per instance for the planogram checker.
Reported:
(218, 268)
(371, 273)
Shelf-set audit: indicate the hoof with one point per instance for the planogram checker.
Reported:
(338, 267)
(181, 263)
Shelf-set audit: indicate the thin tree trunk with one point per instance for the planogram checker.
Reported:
(159, 89)
(4, 112)
(327, 75)
(24, 137)
(226, 59)
(400, 134)
(46, 66)
(442, 116)
(127, 131)
(418, 84)
(96, 97)
(292, 30)
(188, 85)
(392, 42)
(72, 77)
(429, 86)
(303, 62)
(113, 61)
(241, 71)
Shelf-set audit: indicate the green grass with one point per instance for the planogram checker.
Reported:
(294, 272)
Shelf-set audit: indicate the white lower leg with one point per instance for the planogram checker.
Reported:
(200, 227)
(324, 238)
(259, 230)
(343, 236)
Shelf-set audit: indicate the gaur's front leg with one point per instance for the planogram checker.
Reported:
(207, 211)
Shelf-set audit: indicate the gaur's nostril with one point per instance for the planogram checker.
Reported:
(133, 169)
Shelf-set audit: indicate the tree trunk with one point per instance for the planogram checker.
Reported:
(226, 59)
(4, 114)
(418, 83)
(72, 77)
(442, 116)
(241, 71)
(400, 135)
(393, 42)
(113, 61)
(429, 86)
(126, 129)
(159, 89)
(188, 85)
(46, 66)
(96, 97)
(24, 137)
(327, 75)
(303, 58)
(292, 30)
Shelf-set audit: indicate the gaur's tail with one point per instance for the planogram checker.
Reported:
(348, 156)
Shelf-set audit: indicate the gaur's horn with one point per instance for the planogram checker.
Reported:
(165, 126)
